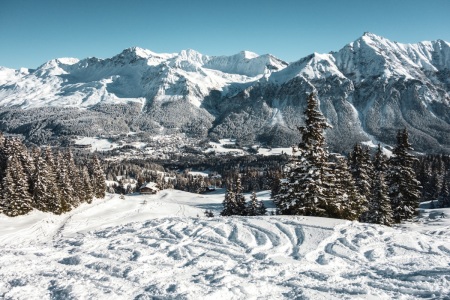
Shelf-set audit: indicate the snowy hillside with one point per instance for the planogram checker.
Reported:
(147, 247)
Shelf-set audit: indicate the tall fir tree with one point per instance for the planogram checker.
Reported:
(240, 199)
(404, 188)
(255, 207)
(304, 186)
(73, 175)
(15, 187)
(53, 195)
(66, 190)
(234, 202)
(97, 177)
(444, 195)
(2, 168)
(361, 169)
(86, 190)
(380, 210)
(349, 204)
(229, 202)
(3, 156)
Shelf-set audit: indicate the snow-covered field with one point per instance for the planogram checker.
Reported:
(161, 247)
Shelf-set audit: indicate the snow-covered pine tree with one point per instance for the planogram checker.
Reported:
(39, 180)
(304, 186)
(229, 202)
(53, 196)
(65, 186)
(2, 169)
(2, 200)
(234, 202)
(380, 210)
(361, 169)
(240, 199)
(255, 207)
(97, 177)
(349, 204)
(404, 188)
(86, 190)
(73, 175)
(208, 213)
(444, 195)
(45, 190)
(3, 156)
(16, 197)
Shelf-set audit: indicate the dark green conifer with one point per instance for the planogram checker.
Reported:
(404, 188)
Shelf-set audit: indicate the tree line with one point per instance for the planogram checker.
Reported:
(235, 203)
(433, 171)
(44, 179)
(373, 189)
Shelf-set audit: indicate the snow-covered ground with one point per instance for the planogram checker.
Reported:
(221, 148)
(97, 144)
(161, 247)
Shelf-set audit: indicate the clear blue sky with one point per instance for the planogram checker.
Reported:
(35, 31)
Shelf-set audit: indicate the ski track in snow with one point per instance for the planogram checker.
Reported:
(185, 257)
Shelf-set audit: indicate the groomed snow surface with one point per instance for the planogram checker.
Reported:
(161, 247)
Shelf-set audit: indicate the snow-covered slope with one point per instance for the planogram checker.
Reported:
(148, 247)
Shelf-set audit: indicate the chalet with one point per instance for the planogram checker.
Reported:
(149, 188)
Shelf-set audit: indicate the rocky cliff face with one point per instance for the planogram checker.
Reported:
(368, 90)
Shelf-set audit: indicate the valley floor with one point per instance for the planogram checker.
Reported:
(162, 247)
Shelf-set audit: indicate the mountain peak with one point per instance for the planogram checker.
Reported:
(192, 56)
(371, 38)
(248, 54)
(136, 52)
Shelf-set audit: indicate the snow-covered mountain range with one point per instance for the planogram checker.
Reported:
(367, 90)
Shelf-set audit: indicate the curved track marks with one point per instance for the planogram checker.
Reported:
(211, 258)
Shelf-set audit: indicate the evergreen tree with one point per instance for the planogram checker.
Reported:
(4, 155)
(73, 176)
(404, 188)
(255, 207)
(64, 185)
(40, 182)
(53, 195)
(229, 202)
(234, 202)
(304, 187)
(2, 169)
(209, 214)
(361, 169)
(16, 197)
(349, 203)
(380, 210)
(444, 197)
(98, 178)
(240, 199)
(86, 190)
